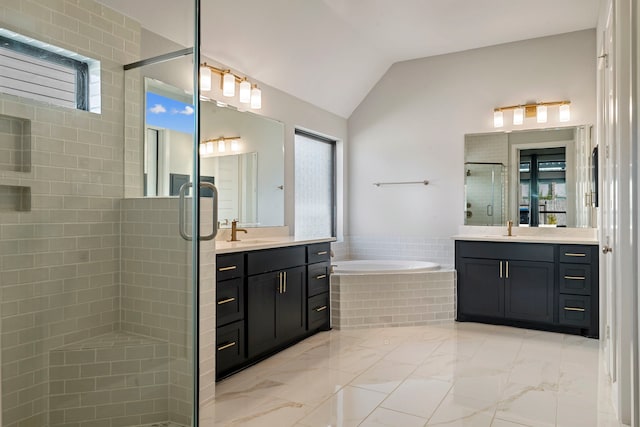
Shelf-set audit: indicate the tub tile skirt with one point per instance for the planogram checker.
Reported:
(384, 300)
(115, 379)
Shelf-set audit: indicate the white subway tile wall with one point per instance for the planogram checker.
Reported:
(60, 261)
(434, 249)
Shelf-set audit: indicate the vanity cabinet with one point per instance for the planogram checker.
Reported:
(267, 300)
(230, 311)
(527, 284)
(276, 302)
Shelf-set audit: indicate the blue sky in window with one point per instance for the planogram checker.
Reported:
(168, 113)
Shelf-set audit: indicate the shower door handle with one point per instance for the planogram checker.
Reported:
(489, 210)
(182, 207)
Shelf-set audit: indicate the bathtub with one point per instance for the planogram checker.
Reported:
(383, 267)
(384, 293)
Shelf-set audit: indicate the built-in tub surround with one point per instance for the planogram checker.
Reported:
(382, 298)
(414, 248)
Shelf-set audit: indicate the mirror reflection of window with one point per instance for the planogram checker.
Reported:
(543, 188)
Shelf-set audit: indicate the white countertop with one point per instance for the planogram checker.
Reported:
(568, 236)
(251, 244)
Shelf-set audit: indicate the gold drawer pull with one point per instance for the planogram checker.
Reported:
(575, 277)
(324, 307)
(226, 346)
(573, 309)
(225, 301)
(572, 254)
(321, 253)
(233, 267)
(322, 276)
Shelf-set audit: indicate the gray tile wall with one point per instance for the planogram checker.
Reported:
(60, 262)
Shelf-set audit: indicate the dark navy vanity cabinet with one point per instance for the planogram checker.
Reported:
(534, 285)
(267, 300)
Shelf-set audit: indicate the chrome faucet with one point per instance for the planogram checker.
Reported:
(234, 231)
(509, 226)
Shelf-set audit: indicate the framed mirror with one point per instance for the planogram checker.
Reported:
(535, 178)
(242, 154)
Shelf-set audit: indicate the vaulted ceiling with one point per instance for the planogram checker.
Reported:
(331, 53)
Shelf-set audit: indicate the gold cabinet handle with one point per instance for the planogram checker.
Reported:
(226, 346)
(501, 269)
(232, 267)
(574, 309)
(574, 254)
(507, 270)
(575, 277)
(280, 283)
(285, 282)
(322, 253)
(324, 307)
(225, 301)
(322, 276)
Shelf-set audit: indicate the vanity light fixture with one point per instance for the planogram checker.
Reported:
(249, 93)
(538, 110)
(207, 147)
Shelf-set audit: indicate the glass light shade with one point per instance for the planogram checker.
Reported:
(205, 78)
(221, 146)
(256, 98)
(235, 145)
(245, 92)
(541, 113)
(518, 116)
(228, 84)
(209, 147)
(565, 113)
(203, 150)
(498, 119)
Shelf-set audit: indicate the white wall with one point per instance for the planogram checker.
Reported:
(412, 124)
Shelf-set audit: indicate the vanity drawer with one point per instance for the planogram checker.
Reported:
(229, 266)
(229, 347)
(575, 310)
(575, 279)
(318, 278)
(318, 311)
(230, 301)
(318, 252)
(580, 254)
(275, 259)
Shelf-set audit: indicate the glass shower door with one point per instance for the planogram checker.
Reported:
(484, 193)
(97, 285)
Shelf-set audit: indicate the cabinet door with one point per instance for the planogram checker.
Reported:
(529, 291)
(261, 312)
(291, 305)
(480, 287)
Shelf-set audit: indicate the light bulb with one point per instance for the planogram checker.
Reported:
(221, 146)
(205, 78)
(228, 84)
(541, 115)
(565, 113)
(203, 150)
(498, 119)
(235, 145)
(256, 98)
(245, 91)
(518, 116)
(209, 147)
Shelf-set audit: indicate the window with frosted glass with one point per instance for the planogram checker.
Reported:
(314, 186)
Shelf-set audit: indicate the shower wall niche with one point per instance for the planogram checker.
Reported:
(15, 144)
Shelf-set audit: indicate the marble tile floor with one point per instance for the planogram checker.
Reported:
(455, 374)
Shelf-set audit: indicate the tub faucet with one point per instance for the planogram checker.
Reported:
(234, 231)
(509, 226)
